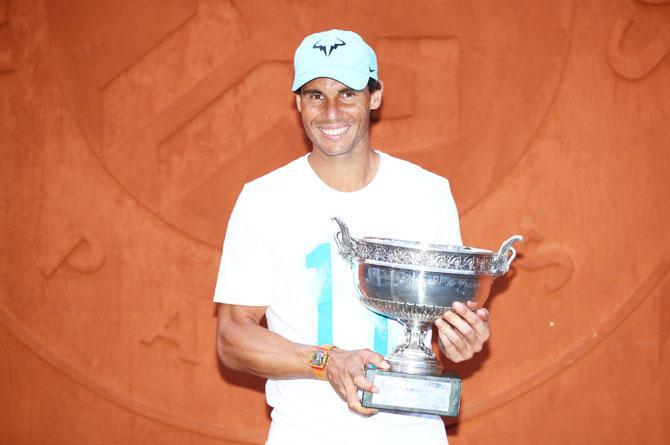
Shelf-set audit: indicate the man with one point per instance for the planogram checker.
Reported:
(279, 260)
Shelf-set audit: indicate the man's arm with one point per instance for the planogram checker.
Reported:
(244, 345)
(463, 331)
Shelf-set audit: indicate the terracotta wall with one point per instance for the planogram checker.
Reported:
(128, 127)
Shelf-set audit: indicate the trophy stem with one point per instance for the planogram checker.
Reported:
(415, 338)
(414, 356)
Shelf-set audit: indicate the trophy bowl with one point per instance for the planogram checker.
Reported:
(416, 283)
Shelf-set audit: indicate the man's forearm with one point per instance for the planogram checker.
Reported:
(244, 345)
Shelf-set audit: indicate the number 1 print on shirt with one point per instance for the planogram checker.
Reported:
(320, 259)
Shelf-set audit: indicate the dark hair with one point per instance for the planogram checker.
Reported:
(373, 85)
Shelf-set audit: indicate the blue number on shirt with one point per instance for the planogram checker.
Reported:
(319, 259)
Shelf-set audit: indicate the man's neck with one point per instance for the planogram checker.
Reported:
(348, 172)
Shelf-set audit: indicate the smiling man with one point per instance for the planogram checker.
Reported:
(279, 261)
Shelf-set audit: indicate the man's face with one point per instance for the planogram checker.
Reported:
(336, 118)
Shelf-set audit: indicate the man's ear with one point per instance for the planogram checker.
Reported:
(376, 97)
(298, 102)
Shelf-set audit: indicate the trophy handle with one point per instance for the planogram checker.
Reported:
(345, 244)
(506, 255)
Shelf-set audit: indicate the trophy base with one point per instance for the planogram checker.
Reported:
(415, 393)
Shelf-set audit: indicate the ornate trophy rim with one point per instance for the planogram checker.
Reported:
(418, 245)
(414, 255)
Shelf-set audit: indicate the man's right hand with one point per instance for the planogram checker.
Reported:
(346, 373)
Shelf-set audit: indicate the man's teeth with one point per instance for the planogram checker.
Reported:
(334, 131)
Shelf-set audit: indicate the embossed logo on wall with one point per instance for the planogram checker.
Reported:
(181, 112)
(181, 125)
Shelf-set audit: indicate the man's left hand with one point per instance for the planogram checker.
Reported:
(463, 331)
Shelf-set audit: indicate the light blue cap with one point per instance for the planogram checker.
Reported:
(340, 55)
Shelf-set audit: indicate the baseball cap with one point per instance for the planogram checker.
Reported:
(337, 54)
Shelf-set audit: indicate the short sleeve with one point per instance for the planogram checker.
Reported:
(246, 270)
(451, 224)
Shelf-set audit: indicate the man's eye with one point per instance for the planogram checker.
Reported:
(348, 94)
(315, 96)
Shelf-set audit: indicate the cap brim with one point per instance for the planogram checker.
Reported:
(351, 78)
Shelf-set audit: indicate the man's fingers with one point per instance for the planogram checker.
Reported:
(468, 323)
(463, 331)
(467, 314)
(360, 409)
(373, 358)
(483, 313)
(452, 343)
(462, 326)
(346, 373)
(352, 397)
(361, 382)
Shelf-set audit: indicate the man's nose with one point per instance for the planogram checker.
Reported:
(332, 109)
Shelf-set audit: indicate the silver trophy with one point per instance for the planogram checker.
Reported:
(415, 284)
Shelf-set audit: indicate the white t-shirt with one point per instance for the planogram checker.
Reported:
(280, 252)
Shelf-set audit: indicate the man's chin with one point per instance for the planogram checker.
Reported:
(334, 152)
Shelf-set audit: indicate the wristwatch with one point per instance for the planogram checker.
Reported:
(318, 360)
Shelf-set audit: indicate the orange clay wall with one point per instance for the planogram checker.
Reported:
(128, 127)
